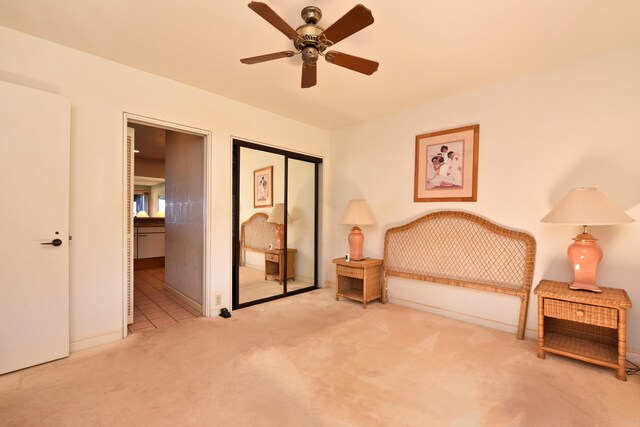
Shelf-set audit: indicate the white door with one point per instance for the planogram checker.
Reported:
(34, 212)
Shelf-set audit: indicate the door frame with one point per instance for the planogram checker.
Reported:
(127, 255)
(237, 144)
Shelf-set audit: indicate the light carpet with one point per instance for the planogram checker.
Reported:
(309, 360)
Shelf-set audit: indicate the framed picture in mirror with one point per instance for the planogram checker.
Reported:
(263, 187)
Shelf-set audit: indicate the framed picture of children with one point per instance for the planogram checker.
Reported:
(263, 187)
(446, 167)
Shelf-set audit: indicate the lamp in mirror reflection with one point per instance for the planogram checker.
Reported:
(586, 206)
(142, 214)
(277, 217)
(357, 213)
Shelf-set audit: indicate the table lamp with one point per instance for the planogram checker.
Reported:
(586, 206)
(277, 217)
(357, 213)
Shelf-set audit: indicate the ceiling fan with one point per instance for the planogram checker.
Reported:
(311, 40)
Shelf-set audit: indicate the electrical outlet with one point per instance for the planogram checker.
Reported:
(218, 299)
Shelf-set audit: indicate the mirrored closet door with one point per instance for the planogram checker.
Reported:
(275, 223)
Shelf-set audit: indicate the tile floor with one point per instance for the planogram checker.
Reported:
(153, 306)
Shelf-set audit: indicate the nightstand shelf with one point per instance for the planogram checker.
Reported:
(352, 292)
(583, 325)
(600, 354)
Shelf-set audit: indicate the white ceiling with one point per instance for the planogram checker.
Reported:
(427, 49)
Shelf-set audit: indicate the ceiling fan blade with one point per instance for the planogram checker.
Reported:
(361, 65)
(268, 57)
(353, 21)
(273, 18)
(309, 75)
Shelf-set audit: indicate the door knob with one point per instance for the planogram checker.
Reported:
(54, 242)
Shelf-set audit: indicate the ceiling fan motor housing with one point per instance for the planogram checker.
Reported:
(310, 38)
(310, 44)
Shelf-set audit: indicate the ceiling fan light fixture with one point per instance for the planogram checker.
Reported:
(310, 55)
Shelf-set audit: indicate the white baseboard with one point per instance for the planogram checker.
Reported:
(634, 356)
(259, 267)
(328, 284)
(183, 297)
(94, 341)
(303, 279)
(489, 323)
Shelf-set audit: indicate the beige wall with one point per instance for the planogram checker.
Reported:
(540, 135)
(100, 92)
(251, 160)
(184, 214)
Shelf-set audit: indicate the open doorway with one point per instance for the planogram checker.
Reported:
(165, 222)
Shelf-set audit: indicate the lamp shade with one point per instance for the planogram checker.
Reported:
(277, 215)
(586, 206)
(357, 212)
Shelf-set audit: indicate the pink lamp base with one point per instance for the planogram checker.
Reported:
(279, 244)
(584, 256)
(356, 240)
(579, 286)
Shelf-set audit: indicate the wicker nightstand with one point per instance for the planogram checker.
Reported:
(274, 264)
(359, 280)
(583, 325)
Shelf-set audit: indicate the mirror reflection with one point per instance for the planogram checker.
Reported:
(275, 214)
(148, 197)
(300, 231)
(261, 189)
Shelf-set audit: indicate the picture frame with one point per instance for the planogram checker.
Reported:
(263, 187)
(446, 165)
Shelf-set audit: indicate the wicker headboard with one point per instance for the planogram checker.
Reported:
(256, 234)
(462, 249)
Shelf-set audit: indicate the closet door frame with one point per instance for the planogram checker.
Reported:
(235, 275)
